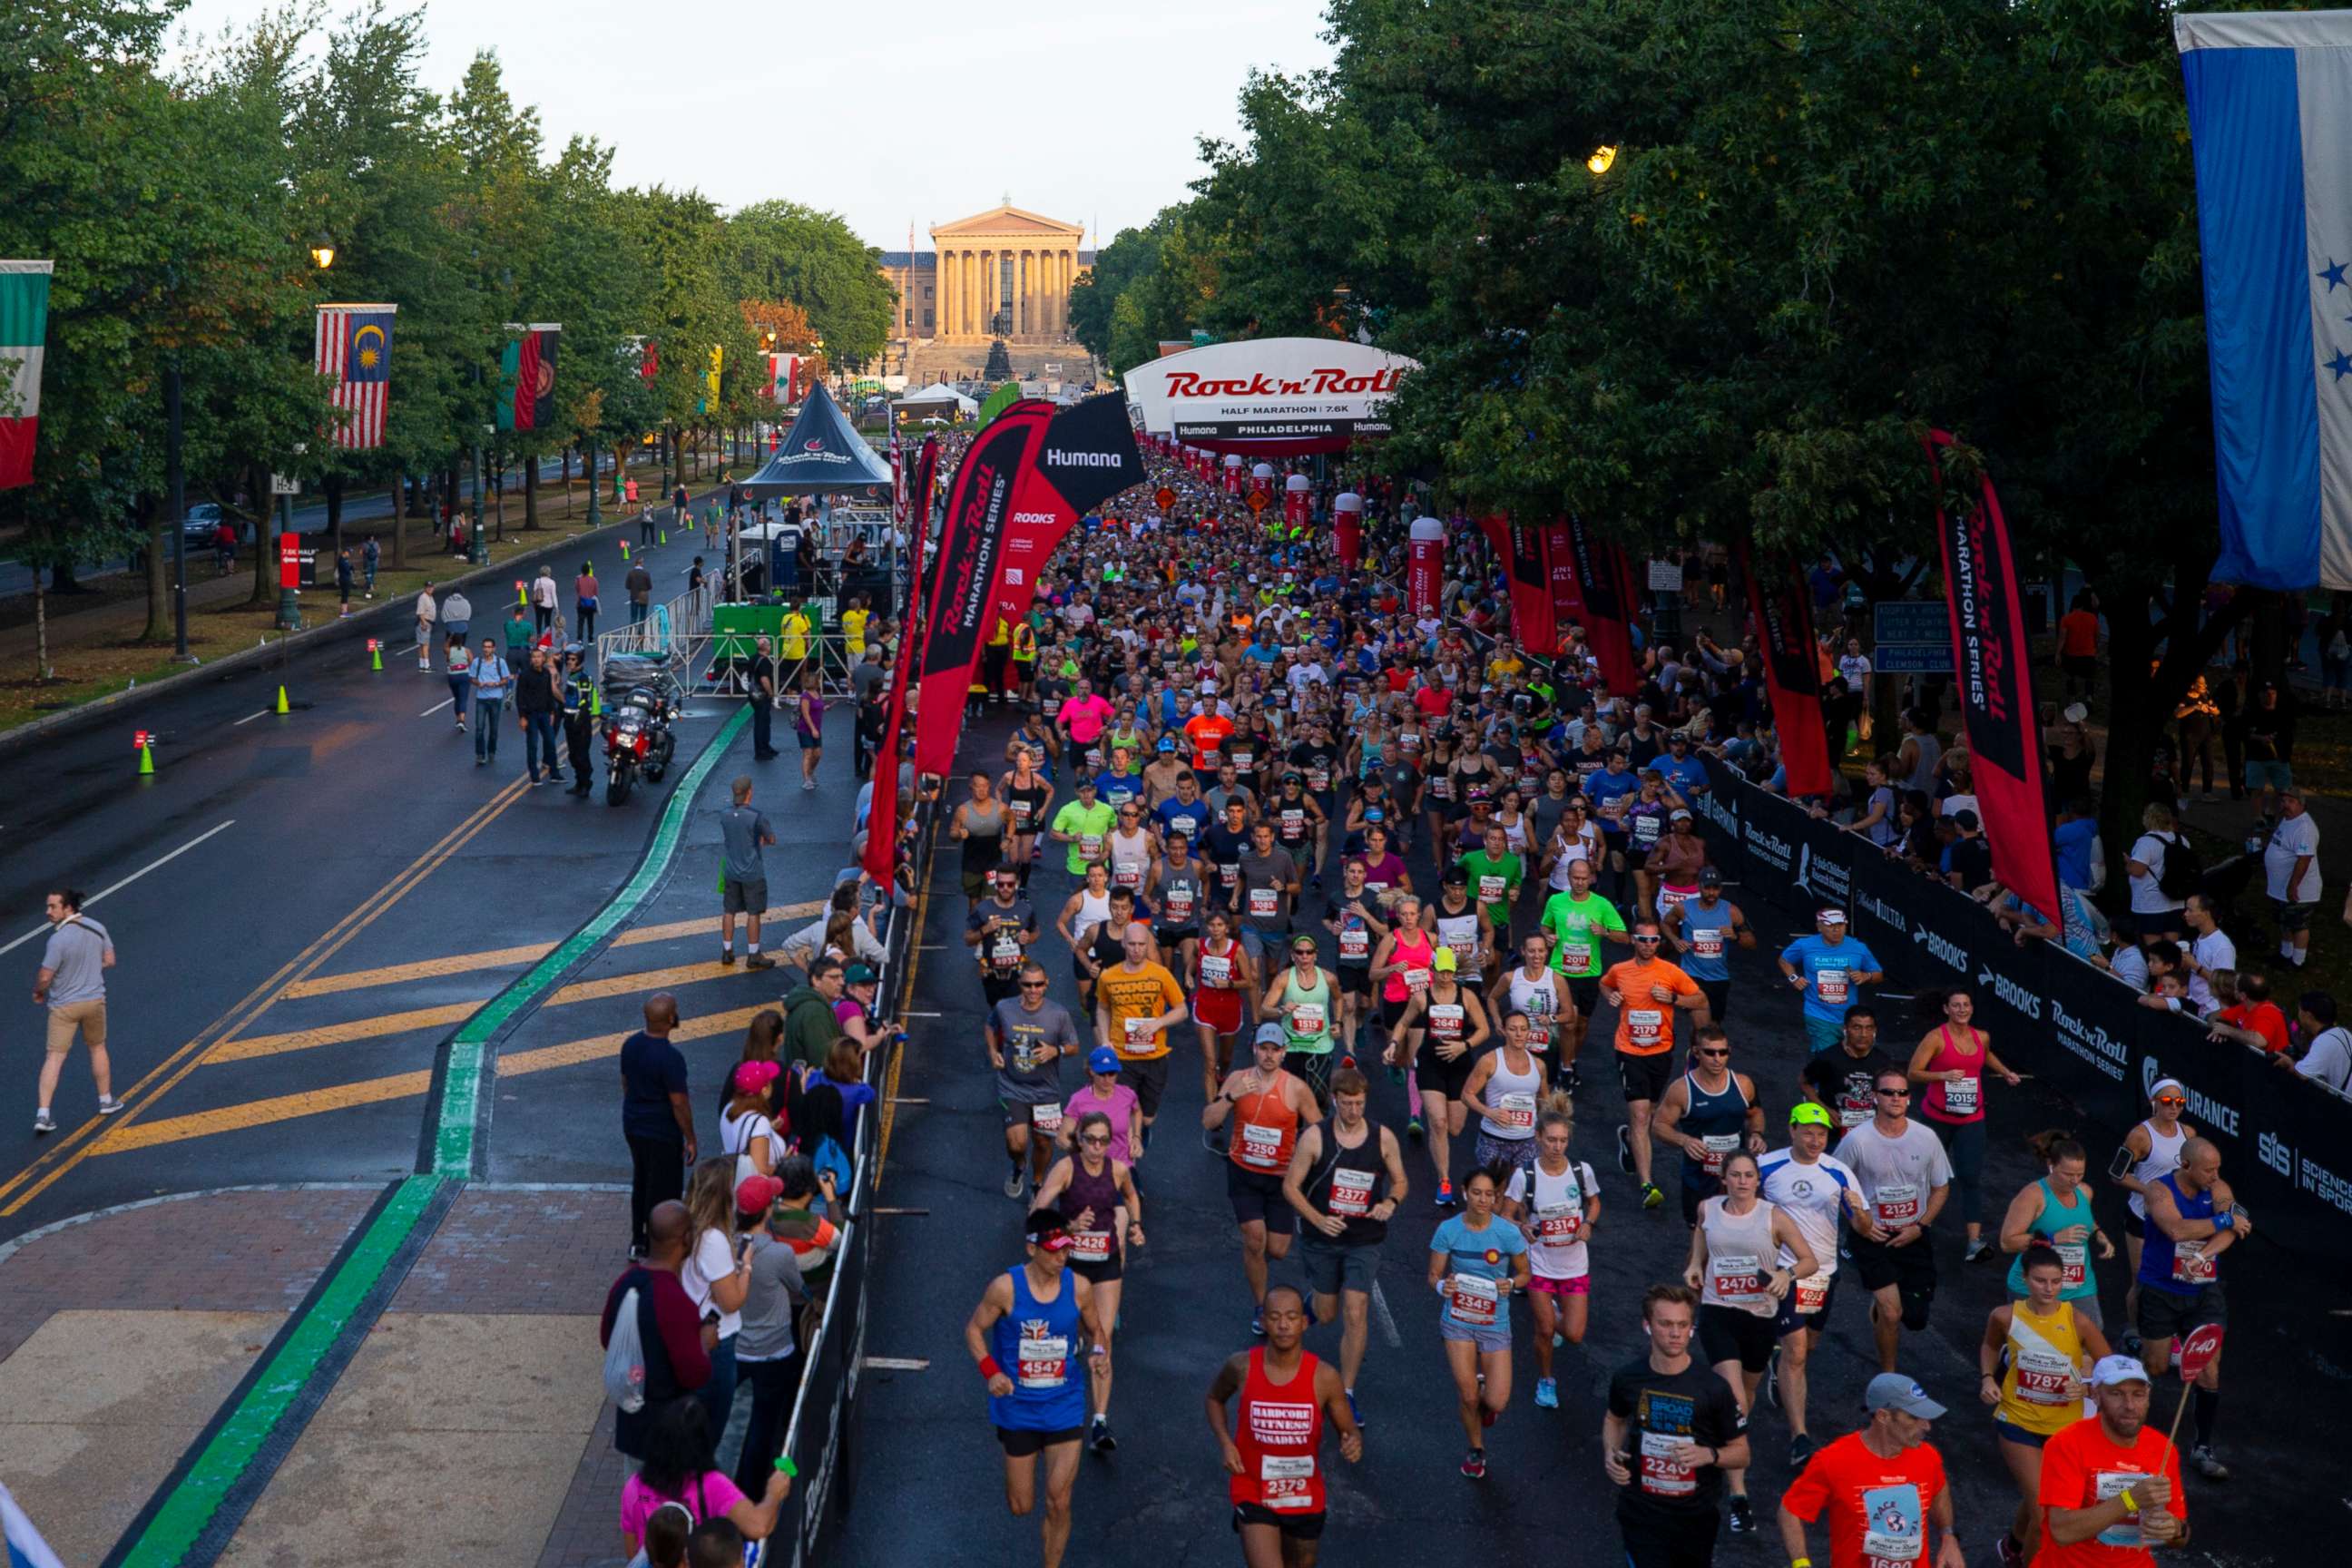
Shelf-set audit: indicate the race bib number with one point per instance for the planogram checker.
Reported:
(1445, 1020)
(1229, 874)
(1047, 1117)
(2076, 1257)
(1263, 902)
(2110, 1484)
(1021, 810)
(2191, 1265)
(1832, 987)
(1005, 950)
(1293, 823)
(2043, 1378)
(1645, 830)
(1178, 905)
(1441, 788)
(1319, 779)
(1306, 1019)
(1736, 1277)
(1853, 1111)
(1893, 1530)
(1183, 826)
(1490, 888)
(1712, 1148)
(1090, 1246)
(1669, 896)
(1576, 956)
(1515, 1110)
(1558, 1224)
(1043, 1361)
(1139, 1033)
(1708, 941)
(1090, 845)
(1243, 759)
(1261, 1147)
(1127, 875)
(1355, 944)
(1662, 1474)
(1351, 1192)
(1960, 1097)
(1812, 1292)
(1476, 1301)
(1287, 1481)
(1898, 1204)
(1416, 979)
(1216, 969)
(1645, 1025)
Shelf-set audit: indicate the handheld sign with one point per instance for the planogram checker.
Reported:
(1163, 498)
(2197, 1351)
(1257, 500)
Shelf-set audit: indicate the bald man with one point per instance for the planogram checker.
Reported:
(657, 1117)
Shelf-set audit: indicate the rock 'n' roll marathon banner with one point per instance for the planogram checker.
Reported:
(1779, 604)
(1605, 584)
(1087, 456)
(1996, 680)
(881, 849)
(1521, 547)
(1269, 389)
(1560, 566)
(2286, 1144)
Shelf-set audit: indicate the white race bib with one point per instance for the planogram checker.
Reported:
(1960, 1097)
(2042, 1376)
(2076, 1257)
(1216, 969)
(1355, 942)
(1662, 1476)
(1090, 1246)
(1416, 979)
(1139, 1034)
(1261, 1147)
(1898, 1204)
(1089, 845)
(1477, 1301)
(1351, 1192)
(2108, 1484)
(1558, 1224)
(1736, 1277)
(1712, 1147)
(1576, 956)
(1263, 902)
(1831, 986)
(1042, 1361)
(1045, 1117)
(2191, 1265)
(1518, 1110)
(1307, 1018)
(1811, 1292)
(1645, 1025)
(1127, 874)
(1708, 941)
(1445, 1020)
(1490, 888)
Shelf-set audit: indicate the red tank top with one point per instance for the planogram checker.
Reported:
(1266, 1128)
(1280, 1436)
(1218, 969)
(1415, 956)
(1962, 1101)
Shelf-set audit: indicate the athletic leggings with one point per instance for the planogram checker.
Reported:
(1964, 1142)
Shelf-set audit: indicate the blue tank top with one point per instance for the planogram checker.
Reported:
(1041, 1346)
(1708, 932)
(2178, 1267)
(1717, 1118)
(2074, 1256)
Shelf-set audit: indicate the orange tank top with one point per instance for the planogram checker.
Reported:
(1264, 1129)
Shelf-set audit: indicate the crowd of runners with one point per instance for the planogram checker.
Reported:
(1225, 748)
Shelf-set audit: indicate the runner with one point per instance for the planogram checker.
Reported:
(1267, 1106)
(1495, 871)
(1883, 1487)
(1580, 921)
(1555, 1203)
(1027, 1039)
(2192, 1220)
(1450, 1022)
(1084, 915)
(1701, 932)
(1102, 1091)
(2150, 1150)
(1084, 824)
(1000, 930)
(1647, 992)
(1476, 1261)
(1671, 1427)
(1303, 999)
(1675, 863)
(1813, 1188)
(2031, 1367)
(1028, 797)
(1032, 1324)
(1456, 924)
(1183, 893)
(1401, 967)
(1097, 1194)
(1353, 918)
(1267, 893)
(2111, 1484)
(1134, 857)
(1272, 1447)
(1225, 990)
(1346, 1181)
(1299, 823)
(1951, 1060)
(1136, 1004)
(1843, 1081)
(2056, 1212)
(1707, 1113)
(1503, 1088)
(978, 828)
(1906, 1178)
(1827, 970)
(1536, 989)
(1735, 1266)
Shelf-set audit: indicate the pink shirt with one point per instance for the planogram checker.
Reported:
(1120, 1107)
(708, 1499)
(1085, 717)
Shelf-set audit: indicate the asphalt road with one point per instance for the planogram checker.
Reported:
(304, 906)
(932, 1488)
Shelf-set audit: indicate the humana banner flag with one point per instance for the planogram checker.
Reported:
(1784, 629)
(1996, 680)
(1088, 456)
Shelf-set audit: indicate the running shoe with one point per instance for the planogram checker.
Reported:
(1624, 1148)
(107, 1105)
(1413, 1130)
(43, 1122)
(1546, 1393)
(1800, 1448)
(2132, 1344)
(1396, 1077)
(1445, 1198)
(1099, 1436)
(759, 961)
(1651, 1197)
(1013, 1184)
(1257, 1323)
(1743, 1515)
(1353, 1410)
(2012, 1554)
(1977, 1249)
(1486, 1414)
(1570, 1081)
(2209, 1465)
(1473, 1464)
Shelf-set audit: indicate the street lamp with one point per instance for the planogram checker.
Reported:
(1602, 157)
(322, 251)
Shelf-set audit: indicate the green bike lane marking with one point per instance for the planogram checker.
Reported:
(177, 1525)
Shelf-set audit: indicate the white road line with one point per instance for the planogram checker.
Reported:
(446, 703)
(45, 927)
(1383, 1316)
(251, 717)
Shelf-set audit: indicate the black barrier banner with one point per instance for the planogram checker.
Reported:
(2286, 1144)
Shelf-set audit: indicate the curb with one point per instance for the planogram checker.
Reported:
(55, 725)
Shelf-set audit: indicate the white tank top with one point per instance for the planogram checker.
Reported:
(2163, 1158)
(1513, 1095)
(1131, 858)
(1740, 1255)
(1539, 999)
(1555, 1209)
(1093, 910)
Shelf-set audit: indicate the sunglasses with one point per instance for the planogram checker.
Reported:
(1645, 939)
(1097, 1140)
(1720, 1051)
(2170, 1099)
(1894, 1093)
(1033, 985)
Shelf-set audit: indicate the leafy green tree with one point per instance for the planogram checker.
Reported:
(781, 250)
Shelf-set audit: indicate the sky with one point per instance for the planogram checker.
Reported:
(1087, 111)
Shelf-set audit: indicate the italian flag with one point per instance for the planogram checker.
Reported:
(23, 327)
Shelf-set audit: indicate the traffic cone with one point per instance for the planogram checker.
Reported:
(597, 701)
(375, 656)
(625, 549)
(283, 706)
(146, 756)
(664, 536)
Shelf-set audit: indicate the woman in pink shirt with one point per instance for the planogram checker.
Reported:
(678, 1469)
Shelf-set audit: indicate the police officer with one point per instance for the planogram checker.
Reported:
(577, 689)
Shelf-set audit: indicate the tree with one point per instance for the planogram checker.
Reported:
(781, 250)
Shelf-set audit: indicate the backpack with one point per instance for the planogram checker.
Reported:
(2184, 868)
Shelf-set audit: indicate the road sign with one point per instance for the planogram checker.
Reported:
(1164, 498)
(1911, 636)
(1665, 576)
(284, 485)
(1257, 500)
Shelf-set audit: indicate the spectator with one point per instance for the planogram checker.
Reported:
(656, 1118)
(810, 1024)
(716, 1543)
(639, 585)
(1967, 862)
(543, 601)
(71, 983)
(2159, 911)
(718, 1276)
(2328, 1045)
(2169, 994)
(860, 985)
(678, 1468)
(2255, 1020)
(2078, 644)
(427, 614)
(2291, 869)
(766, 1353)
(2210, 950)
(2128, 962)
(794, 1220)
(668, 1328)
(2076, 845)
(583, 603)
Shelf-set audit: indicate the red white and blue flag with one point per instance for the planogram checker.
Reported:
(354, 348)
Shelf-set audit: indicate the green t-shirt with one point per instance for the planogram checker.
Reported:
(1575, 923)
(1083, 824)
(1495, 883)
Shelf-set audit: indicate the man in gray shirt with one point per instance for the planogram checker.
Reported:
(743, 878)
(868, 675)
(72, 985)
(1028, 1036)
(1269, 883)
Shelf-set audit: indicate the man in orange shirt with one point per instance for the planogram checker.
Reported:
(1881, 1488)
(1136, 1002)
(2078, 643)
(1208, 731)
(1647, 992)
(2111, 1484)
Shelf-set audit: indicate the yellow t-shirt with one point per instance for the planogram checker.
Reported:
(1145, 994)
(796, 631)
(853, 627)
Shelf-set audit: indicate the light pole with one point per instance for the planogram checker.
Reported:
(178, 483)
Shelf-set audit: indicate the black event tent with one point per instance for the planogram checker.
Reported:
(821, 455)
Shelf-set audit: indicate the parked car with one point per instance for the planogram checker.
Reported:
(201, 524)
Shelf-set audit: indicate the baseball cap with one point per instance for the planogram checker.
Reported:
(1897, 1391)
(1966, 818)
(1270, 1033)
(1102, 1058)
(1709, 877)
(1455, 877)
(1444, 962)
(1832, 917)
(2112, 1370)
(1167, 742)
(859, 975)
(1805, 1113)
(1678, 815)
(751, 1077)
(754, 1193)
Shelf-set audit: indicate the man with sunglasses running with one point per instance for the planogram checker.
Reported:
(1647, 992)
(1904, 1177)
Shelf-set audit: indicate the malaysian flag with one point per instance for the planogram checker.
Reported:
(355, 347)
